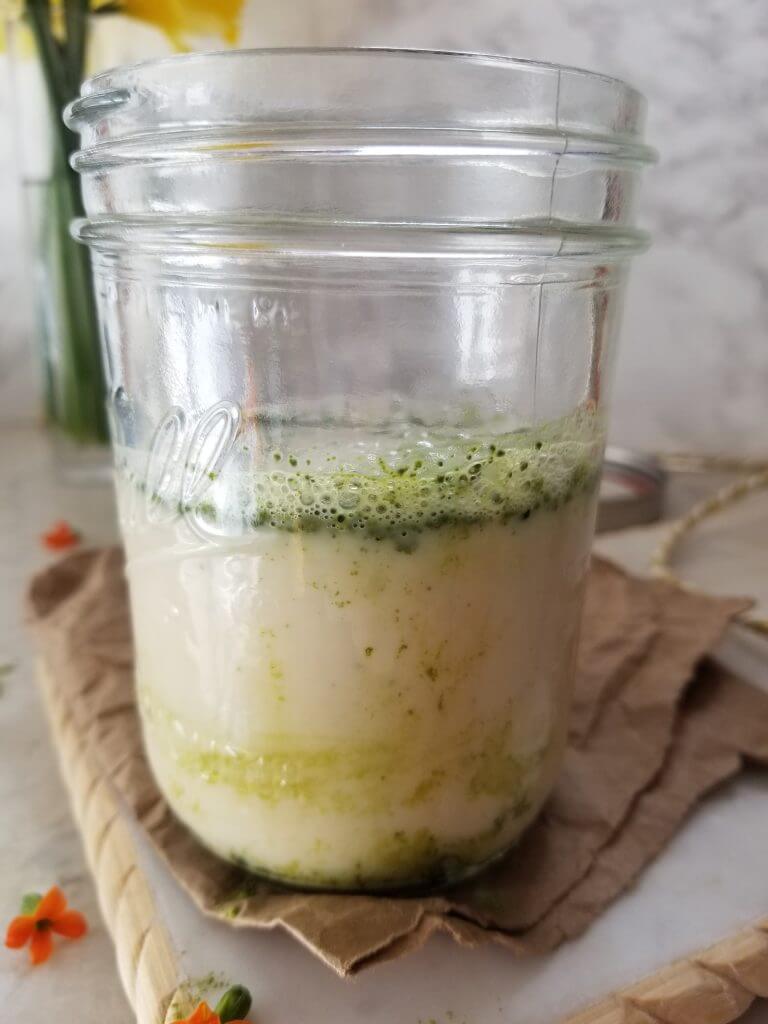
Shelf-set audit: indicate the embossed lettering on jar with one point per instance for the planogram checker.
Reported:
(359, 310)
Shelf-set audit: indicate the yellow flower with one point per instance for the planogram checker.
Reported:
(10, 9)
(182, 20)
(10, 13)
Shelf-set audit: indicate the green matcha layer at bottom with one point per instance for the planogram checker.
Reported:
(400, 861)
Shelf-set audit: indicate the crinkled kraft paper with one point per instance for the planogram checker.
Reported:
(654, 727)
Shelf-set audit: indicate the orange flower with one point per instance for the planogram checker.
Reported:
(40, 917)
(60, 536)
(205, 1015)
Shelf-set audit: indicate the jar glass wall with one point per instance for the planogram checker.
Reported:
(358, 313)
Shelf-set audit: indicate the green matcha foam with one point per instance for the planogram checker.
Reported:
(396, 488)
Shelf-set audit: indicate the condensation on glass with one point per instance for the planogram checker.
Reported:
(358, 312)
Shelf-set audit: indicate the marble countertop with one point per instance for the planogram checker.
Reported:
(40, 844)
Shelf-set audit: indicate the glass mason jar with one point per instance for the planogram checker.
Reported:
(358, 313)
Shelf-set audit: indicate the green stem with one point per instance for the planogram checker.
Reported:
(76, 14)
(80, 387)
(51, 56)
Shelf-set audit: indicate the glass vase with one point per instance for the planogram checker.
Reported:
(67, 333)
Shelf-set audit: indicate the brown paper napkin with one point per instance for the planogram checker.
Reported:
(644, 747)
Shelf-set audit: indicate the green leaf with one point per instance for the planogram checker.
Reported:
(234, 1004)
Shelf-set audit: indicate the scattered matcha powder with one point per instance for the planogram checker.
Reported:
(6, 668)
(276, 670)
(195, 990)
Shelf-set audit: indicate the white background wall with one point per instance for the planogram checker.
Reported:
(693, 370)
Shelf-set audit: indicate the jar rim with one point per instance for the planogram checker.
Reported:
(417, 53)
(427, 89)
(432, 139)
